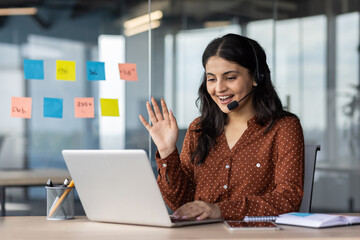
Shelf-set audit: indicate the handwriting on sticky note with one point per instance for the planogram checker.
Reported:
(21, 107)
(84, 107)
(109, 107)
(128, 71)
(65, 70)
(95, 71)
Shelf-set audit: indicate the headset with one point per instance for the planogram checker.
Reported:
(258, 78)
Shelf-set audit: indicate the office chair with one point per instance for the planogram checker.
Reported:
(310, 162)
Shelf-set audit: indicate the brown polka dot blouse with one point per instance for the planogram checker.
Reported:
(261, 175)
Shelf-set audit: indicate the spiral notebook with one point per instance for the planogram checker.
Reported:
(260, 218)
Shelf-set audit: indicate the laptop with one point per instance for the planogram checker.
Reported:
(119, 186)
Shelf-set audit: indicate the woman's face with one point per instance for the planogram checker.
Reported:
(227, 82)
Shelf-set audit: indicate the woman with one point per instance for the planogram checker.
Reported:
(237, 160)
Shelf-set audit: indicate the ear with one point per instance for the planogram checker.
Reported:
(254, 83)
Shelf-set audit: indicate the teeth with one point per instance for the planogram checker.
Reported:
(224, 97)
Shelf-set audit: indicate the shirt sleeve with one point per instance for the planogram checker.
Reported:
(175, 177)
(289, 176)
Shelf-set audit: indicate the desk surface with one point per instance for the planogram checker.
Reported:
(37, 228)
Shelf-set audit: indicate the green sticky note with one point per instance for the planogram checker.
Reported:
(65, 70)
(109, 107)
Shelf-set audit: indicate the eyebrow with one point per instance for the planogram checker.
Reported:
(225, 73)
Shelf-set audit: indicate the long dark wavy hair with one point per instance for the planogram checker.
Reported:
(267, 104)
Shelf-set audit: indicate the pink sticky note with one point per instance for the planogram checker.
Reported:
(21, 107)
(84, 107)
(128, 71)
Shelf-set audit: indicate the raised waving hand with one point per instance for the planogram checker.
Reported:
(163, 129)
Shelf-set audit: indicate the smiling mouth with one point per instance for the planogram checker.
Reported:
(226, 99)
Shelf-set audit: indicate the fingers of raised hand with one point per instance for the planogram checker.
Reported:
(144, 122)
(157, 111)
(164, 110)
(172, 119)
(151, 113)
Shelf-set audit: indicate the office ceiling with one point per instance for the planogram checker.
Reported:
(194, 11)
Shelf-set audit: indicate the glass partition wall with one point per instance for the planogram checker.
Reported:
(312, 50)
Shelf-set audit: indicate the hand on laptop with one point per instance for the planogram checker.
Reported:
(164, 130)
(197, 209)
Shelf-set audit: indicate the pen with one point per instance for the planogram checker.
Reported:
(63, 196)
(49, 183)
(66, 182)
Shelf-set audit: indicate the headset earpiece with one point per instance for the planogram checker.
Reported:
(258, 77)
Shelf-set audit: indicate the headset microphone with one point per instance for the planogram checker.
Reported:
(231, 106)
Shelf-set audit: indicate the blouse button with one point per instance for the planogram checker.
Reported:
(227, 166)
(225, 186)
(258, 165)
(164, 165)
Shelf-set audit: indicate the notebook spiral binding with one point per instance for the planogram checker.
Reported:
(260, 218)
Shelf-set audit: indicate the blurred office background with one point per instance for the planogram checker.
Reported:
(312, 48)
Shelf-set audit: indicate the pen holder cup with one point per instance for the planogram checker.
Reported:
(60, 203)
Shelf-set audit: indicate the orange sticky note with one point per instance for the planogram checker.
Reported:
(65, 70)
(109, 107)
(21, 107)
(128, 71)
(84, 107)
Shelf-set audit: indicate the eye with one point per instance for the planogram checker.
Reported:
(231, 78)
(211, 79)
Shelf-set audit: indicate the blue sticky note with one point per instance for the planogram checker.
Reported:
(53, 107)
(34, 69)
(95, 71)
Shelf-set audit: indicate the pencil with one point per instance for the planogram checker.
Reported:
(66, 192)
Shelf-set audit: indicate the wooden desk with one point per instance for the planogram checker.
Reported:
(28, 177)
(37, 228)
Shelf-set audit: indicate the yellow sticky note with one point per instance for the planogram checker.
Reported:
(109, 107)
(21, 107)
(84, 107)
(65, 70)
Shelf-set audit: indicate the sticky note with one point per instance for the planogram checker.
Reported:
(84, 107)
(21, 107)
(34, 69)
(53, 107)
(128, 71)
(65, 70)
(109, 107)
(95, 71)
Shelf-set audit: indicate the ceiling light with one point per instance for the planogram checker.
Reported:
(141, 28)
(18, 11)
(132, 23)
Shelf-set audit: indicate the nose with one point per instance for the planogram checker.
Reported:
(220, 86)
